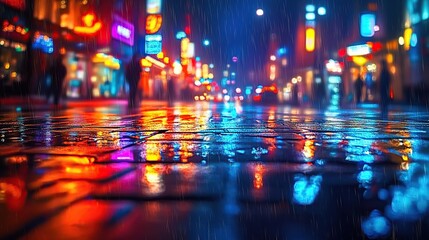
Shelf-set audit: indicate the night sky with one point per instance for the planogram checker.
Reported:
(234, 29)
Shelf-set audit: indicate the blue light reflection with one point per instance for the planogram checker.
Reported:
(410, 201)
(306, 189)
(376, 225)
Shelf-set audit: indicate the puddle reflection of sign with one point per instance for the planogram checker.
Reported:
(367, 24)
(123, 31)
(153, 44)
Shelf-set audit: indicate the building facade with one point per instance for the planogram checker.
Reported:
(95, 39)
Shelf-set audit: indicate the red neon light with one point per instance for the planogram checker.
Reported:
(377, 46)
(188, 30)
(342, 52)
(90, 26)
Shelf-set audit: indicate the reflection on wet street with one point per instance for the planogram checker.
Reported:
(214, 171)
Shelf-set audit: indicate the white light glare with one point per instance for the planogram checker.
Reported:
(310, 8)
(321, 11)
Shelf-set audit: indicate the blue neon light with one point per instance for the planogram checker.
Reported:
(180, 35)
(153, 44)
(367, 23)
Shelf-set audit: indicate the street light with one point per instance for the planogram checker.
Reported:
(259, 12)
(321, 11)
(206, 42)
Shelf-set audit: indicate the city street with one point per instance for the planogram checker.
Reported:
(201, 170)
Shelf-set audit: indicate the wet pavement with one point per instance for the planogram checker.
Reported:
(214, 171)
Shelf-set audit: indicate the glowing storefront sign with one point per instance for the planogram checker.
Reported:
(151, 38)
(367, 24)
(358, 50)
(153, 23)
(310, 39)
(90, 26)
(153, 44)
(153, 6)
(123, 31)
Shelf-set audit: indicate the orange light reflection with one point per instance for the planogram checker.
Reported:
(258, 179)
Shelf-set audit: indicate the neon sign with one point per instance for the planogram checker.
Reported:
(367, 24)
(153, 6)
(90, 26)
(310, 39)
(153, 44)
(153, 23)
(358, 50)
(123, 31)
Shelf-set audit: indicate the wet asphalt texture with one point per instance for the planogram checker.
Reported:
(213, 171)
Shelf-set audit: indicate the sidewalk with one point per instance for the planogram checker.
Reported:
(39, 103)
(23, 103)
(35, 102)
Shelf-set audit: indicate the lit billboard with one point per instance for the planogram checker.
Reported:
(153, 44)
(153, 39)
(123, 31)
(358, 50)
(367, 24)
